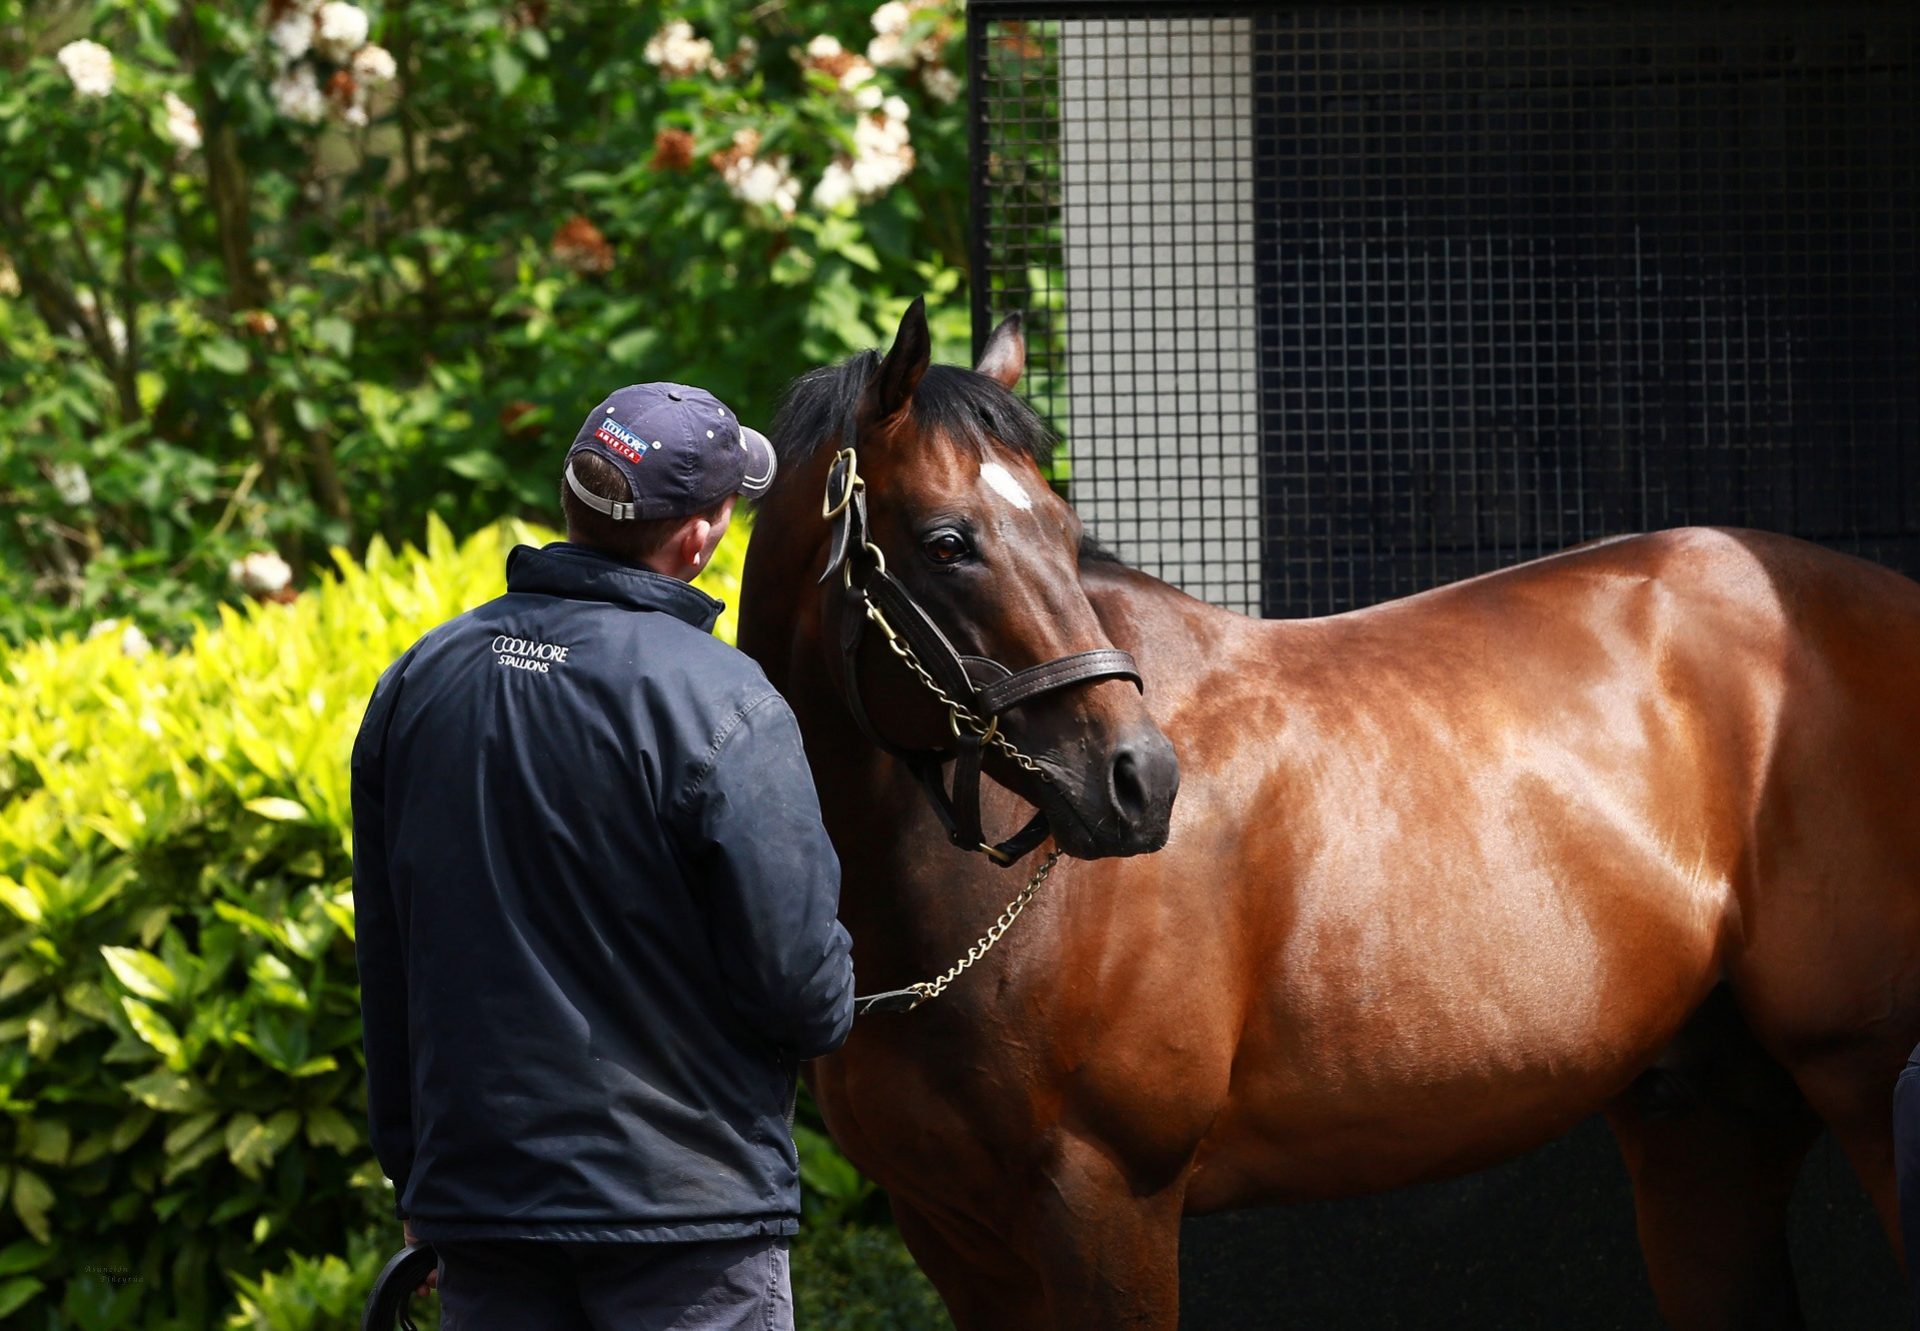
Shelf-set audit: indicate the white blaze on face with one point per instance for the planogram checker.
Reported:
(1006, 485)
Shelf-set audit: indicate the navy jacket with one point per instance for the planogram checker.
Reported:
(595, 917)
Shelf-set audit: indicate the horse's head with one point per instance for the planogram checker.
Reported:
(958, 514)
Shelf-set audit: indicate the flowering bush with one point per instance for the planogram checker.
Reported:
(277, 275)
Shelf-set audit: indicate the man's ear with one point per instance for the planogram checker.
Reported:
(906, 361)
(1005, 357)
(692, 541)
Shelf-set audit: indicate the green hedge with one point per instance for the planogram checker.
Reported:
(179, 1029)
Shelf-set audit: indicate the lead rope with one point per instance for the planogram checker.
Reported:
(911, 997)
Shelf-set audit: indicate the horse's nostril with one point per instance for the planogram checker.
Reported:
(1129, 794)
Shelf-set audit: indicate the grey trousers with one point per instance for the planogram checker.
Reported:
(716, 1285)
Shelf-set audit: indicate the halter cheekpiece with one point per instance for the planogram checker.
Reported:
(977, 691)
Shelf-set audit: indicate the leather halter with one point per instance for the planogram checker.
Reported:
(976, 690)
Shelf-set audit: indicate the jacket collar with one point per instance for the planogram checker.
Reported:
(562, 568)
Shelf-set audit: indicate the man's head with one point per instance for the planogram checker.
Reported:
(653, 474)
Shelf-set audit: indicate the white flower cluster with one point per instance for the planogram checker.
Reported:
(892, 46)
(853, 73)
(766, 182)
(183, 126)
(297, 96)
(9, 279)
(261, 573)
(340, 29)
(882, 157)
(89, 67)
(676, 52)
(373, 66)
(70, 483)
(335, 31)
(132, 641)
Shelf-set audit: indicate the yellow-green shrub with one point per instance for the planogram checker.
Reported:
(180, 1060)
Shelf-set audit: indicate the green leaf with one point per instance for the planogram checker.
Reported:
(327, 1126)
(824, 1169)
(141, 972)
(247, 1144)
(169, 1091)
(278, 808)
(188, 1131)
(334, 332)
(860, 253)
(89, 1000)
(51, 1140)
(194, 1156)
(507, 70)
(152, 1028)
(628, 348)
(32, 1200)
(21, 900)
(15, 1293)
(20, 976)
(130, 1128)
(479, 465)
(252, 1144)
(225, 355)
(23, 1255)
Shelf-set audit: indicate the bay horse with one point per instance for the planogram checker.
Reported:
(1634, 827)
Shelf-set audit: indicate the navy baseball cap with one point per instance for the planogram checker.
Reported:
(679, 447)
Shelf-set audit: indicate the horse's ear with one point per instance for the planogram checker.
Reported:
(899, 374)
(1005, 358)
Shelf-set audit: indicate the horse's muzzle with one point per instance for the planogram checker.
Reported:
(1121, 803)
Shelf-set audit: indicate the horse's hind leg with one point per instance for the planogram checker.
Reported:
(1713, 1138)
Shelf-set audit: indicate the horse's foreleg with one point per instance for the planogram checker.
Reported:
(984, 1283)
(1852, 1091)
(1108, 1257)
(1713, 1143)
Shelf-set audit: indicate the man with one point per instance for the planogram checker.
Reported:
(596, 913)
(1906, 1171)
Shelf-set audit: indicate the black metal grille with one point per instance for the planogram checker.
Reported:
(1339, 302)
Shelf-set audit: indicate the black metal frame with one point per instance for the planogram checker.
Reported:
(1635, 227)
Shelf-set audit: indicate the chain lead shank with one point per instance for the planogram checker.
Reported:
(906, 1000)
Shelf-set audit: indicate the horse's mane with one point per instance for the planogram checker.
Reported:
(968, 408)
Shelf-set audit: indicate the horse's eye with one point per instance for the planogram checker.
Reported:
(945, 547)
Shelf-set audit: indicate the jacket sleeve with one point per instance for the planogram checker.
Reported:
(380, 947)
(771, 882)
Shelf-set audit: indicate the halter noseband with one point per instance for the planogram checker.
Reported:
(976, 690)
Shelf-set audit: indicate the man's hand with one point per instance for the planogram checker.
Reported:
(433, 1277)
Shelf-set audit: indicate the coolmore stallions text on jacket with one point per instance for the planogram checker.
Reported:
(595, 917)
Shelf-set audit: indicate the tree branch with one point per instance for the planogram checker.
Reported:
(130, 363)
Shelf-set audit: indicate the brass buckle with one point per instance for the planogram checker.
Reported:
(829, 509)
(879, 566)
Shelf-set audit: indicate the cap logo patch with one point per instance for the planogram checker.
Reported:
(620, 439)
